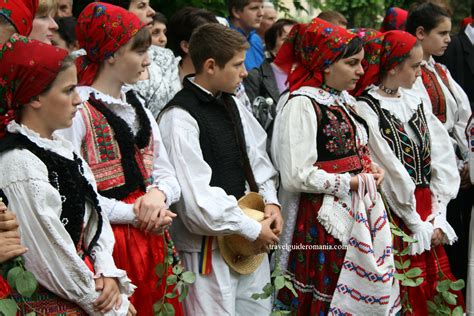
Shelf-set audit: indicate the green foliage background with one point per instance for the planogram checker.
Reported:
(368, 13)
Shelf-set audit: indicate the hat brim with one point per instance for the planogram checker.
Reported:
(245, 264)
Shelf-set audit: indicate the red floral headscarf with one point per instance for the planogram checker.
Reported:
(312, 47)
(382, 54)
(101, 30)
(20, 13)
(27, 67)
(395, 19)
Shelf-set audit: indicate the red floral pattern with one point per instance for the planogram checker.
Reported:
(20, 13)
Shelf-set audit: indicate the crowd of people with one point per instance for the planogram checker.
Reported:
(131, 141)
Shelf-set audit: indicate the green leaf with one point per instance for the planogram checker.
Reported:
(405, 251)
(177, 269)
(409, 282)
(458, 285)
(8, 307)
(438, 300)
(168, 309)
(279, 282)
(458, 311)
(406, 264)
(398, 265)
(443, 286)
(413, 273)
(184, 293)
(397, 232)
(289, 286)
(400, 276)
(160, 269)
(444, 309)
(13, 275)
(26, 283)
(431, 307)
(31, 314)
(408, 239)
(171, 279)
(171, 295)
(255, 296)
(157, 307)
(449, 298)
(169, 260)
(188, 277)
(418, 281)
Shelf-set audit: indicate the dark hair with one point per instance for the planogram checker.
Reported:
(472, 9)
(275, 31)
(160, 18)
(427, 15)
(238, 5)
(384, 72)
(67, 29)
(120, 3)
(183, 23)
(141, 40)
(333, 17)
(352, 48)
(216, 41)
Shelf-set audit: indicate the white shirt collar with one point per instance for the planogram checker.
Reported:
(469, 30)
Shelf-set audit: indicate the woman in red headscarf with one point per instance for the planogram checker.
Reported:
(16, 16)
(121, 142)
(51, 190)
(319, 146)
(395, 19)
(409, 143)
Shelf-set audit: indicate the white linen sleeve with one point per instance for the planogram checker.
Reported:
(117, 211)
(262, 167)
(445, 178)
(164, 176)
(397, 186)
(297, 152)
(51, 255)
(464, 113)
(208, 210)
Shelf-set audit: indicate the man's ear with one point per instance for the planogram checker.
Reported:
(184, 45)
(209, 66)
(420, 33)
(236, 13)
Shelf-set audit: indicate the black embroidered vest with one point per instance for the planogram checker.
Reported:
(415, 157)
(336, 139)
(67, 177)
(221, 135)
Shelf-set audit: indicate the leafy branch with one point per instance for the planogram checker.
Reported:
(179, 279)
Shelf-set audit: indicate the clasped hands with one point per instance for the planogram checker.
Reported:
(152, 213)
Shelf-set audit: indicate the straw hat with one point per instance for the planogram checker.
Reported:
(239, 253)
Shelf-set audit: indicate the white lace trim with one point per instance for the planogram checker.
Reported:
(323, 97)
(85, 91)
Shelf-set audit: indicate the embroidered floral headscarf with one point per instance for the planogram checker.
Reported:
(312, 47)
(27, 67)
(395, 19)
(20, 13)
(382, 54)
(101, 30)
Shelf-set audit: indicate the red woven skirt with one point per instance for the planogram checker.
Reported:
(314, 271)
(418, 296)
(138, 253)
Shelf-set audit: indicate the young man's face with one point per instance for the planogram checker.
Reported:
(231, 75)
(251, 16)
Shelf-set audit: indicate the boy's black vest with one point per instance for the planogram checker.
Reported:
(221, 137)
(67, 177)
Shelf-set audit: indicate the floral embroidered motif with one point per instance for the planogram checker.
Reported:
(339, 135)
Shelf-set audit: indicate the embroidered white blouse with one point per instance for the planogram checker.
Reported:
(458, 109)
(163, 82)
(294, 152)
(397, 186)
(52, 255)
(163, 174)
(205, 210)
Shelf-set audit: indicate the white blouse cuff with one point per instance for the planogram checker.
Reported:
(171, 195)
(104, 266)
(422, 233)
(250, 229)
(450, 236)
(269, 196)
(344, 186)
(122, 213)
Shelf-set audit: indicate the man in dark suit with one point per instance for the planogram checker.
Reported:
(459, 58)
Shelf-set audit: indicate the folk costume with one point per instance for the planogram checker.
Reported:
(421, 176)
(218, 151)
(121, 142)
(319, 142)
(53, 194)
(395, 19)
(20, 14)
